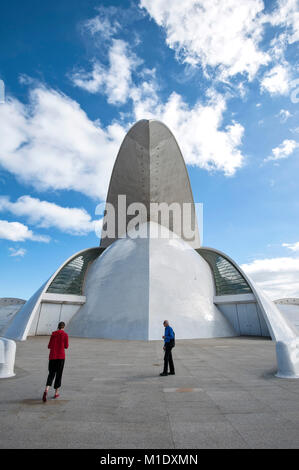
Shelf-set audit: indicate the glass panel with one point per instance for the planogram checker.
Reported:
(70, 278)
(228, 279)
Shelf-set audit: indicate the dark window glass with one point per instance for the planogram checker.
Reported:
(228, 279)
(70, 278)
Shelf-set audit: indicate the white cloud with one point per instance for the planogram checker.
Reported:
(292, 246)
(284, 115)
(286, 14)
(285, 17)
(52, 144)
(213, 32)
(278, 46)
(115, 81)
(284, 150)
(90, 81)
(17, 232)
(198, 129)
(17, 252)
(277, 80)
(47, 214)
(102, 24)
(278, 277)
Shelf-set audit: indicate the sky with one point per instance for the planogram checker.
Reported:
(223, 76)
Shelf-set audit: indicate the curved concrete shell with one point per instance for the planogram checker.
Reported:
(276, 324)
(150, 169)
(137, 283)
(26, 321)
(281, 330)
(126, 291)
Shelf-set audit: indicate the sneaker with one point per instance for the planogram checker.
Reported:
(163, 374)
(56, 395)
(45, 397)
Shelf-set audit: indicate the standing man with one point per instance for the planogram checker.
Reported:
(59, 341)
(168, 345)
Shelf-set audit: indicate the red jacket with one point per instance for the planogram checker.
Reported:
(59, 341)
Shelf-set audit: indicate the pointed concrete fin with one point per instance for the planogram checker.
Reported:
(150, 169)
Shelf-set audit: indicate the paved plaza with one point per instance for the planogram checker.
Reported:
(224, 395)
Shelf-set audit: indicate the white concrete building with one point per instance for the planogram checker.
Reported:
(125, 288)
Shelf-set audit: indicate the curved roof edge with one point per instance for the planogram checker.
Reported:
(279, 328)
(19, 327)
(282, 332)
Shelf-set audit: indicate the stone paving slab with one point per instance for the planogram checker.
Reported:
(224, 395)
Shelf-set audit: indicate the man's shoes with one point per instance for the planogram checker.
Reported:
(45, 397)
(163, 374)
(171, 373)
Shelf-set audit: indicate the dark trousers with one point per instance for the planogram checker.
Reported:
(168, 359)
(55, 370)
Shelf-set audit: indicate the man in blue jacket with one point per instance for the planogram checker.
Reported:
(168, 345)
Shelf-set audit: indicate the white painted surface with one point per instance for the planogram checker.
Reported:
(50, 314)
(7, 357)
(291, 313)
(64, 308)
(181, 290)
(23, 323)
(280, 329)
(231, 313)
(33, 326)
(48, 318)
(245, 318)
(264, 327)
(285, 335)
(233, 299)
(116, 289)
(67, 312)
(136, 284)
(64, 298)
(19, 327)
(248, 320)
(287, 353)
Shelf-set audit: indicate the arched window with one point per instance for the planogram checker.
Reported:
(228, 280)
(70, 278)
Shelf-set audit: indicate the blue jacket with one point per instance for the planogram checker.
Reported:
(168, 334)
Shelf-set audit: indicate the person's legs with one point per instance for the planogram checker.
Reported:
(171, 365)
(59, 370)
(52, 372)
(166, 358)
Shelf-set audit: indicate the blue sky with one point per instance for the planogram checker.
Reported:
(223, 76)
